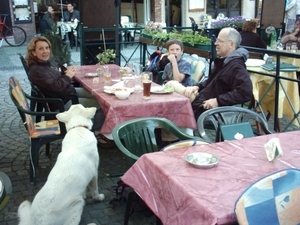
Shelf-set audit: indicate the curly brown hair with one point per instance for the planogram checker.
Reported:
(249, 25)
(30, 58)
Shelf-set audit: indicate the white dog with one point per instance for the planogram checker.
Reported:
(61, 199)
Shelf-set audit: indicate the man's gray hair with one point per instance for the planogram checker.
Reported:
(234, 35)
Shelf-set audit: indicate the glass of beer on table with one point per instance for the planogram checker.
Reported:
(147, 80)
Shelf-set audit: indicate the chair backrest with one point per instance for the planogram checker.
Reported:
(273, 199)
(24, 63)
(42, 129)
(18, 97)
(197, 70)
(137, 137)
(125, 19)
(213, 118)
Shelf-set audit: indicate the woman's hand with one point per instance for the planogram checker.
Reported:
(70, 72)
(189, 90)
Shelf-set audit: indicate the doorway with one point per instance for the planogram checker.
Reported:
(229, 8)
(5, 9)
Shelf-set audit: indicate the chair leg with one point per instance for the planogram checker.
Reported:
(48, 149)
(33, 159)
(129, 206)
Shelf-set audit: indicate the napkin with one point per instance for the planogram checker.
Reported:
(116, 85)
(273, 149)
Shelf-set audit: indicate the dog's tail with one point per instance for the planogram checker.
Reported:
(24, 213)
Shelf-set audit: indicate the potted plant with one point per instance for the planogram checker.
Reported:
(106, 57)
(151, 29)
(61, 52)
(235, 22)
(190, 39)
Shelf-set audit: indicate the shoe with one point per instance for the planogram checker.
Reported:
(104, 142)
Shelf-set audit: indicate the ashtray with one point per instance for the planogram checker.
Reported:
(202, 160)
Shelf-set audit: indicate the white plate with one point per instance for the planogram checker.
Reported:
(202, 160)
(159, 90)
(91, 74)
(111, 90)
(254, 62)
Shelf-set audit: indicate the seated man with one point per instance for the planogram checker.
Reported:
(72, 15)
(229, 82)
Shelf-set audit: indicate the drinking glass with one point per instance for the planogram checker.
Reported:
(294, 47)
(288, 47)
(147, 80)
(137, 70)
(106, 74)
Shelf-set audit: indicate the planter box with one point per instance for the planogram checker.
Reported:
(146, 36)
(206, 47)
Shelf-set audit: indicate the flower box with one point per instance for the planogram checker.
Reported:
(235, 22)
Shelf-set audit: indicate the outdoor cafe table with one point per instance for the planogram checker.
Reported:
(172, 106)
(288, 101)
(180, 194)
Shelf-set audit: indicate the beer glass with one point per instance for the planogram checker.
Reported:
(147, 80)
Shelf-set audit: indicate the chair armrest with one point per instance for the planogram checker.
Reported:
(178, 133)
(45, 114)
(72, 96)
(57, 101)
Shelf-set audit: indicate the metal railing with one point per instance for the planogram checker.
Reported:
(119, 42)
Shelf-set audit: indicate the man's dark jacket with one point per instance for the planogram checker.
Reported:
(229, 82)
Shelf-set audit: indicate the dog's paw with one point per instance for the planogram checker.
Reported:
(91, 224)
(99, 197)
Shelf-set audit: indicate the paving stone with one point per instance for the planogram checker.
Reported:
(14, 157)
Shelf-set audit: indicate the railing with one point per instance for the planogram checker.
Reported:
(119, 41)
(277, 79)
(116, 43)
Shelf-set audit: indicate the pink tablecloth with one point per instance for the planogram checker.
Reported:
(172, 106)
(180, 194)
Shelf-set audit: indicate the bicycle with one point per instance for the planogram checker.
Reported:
(14, 35)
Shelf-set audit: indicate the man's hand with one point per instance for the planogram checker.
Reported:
(210, 103)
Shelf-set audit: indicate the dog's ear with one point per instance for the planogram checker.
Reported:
(62, 117)
(90, 112)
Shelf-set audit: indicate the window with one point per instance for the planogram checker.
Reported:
(22, 11)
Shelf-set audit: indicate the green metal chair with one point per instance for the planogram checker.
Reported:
(212, 119)
(40, 133)
(137, 137)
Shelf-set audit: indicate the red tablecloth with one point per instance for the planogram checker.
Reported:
(172, 106)
(180, 194)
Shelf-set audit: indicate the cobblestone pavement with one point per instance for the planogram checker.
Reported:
(14, 157)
